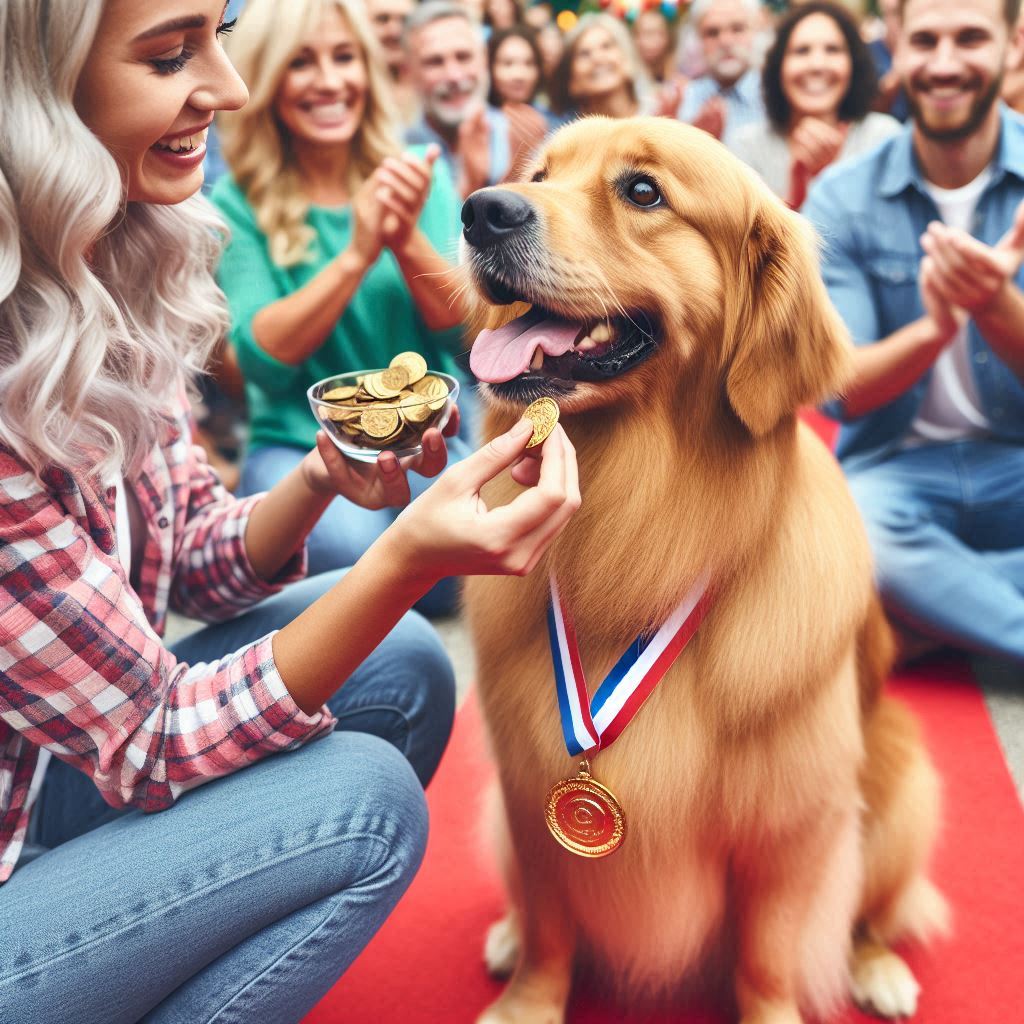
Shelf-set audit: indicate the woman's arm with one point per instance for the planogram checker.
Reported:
(294, 327)
(406, 185)
(447, 531)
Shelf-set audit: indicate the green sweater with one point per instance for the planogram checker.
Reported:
(379, 322)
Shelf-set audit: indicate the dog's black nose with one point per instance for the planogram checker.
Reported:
(492, 214)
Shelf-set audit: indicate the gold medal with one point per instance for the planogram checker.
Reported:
(543, 414)
(584, 816)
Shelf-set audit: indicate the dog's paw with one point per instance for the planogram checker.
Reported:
(521, 1011)
(883, 984)
(501, 947)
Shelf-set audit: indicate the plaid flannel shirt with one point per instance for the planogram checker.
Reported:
(83, 672)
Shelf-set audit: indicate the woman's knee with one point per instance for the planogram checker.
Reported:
(367, 792)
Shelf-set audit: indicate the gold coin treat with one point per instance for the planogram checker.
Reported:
(388, 409)
(543, 414)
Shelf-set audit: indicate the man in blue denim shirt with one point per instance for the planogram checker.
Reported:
(922, 252)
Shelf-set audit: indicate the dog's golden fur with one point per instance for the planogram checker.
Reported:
(780, 810)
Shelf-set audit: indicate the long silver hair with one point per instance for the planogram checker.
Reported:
(106, 306)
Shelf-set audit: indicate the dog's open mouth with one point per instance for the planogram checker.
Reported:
(541, 352)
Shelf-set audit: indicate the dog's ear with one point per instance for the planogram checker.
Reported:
(789, 347)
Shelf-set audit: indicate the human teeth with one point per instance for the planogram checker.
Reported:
(538, 359)
(601, 333)
(184, 143)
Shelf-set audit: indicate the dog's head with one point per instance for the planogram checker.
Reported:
(650, 260)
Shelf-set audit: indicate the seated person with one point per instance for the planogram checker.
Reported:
(598, 70)
(219, 825)
(728, 95)
(388, 18)
(818, 83)
(515, 67)
(923, 239)
(334, 262)
(447, 56)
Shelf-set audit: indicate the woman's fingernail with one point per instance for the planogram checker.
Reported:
(433, 443)
(388, 466)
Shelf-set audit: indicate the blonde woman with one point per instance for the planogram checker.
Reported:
(262, 877)
(335, 259)
(598, 71)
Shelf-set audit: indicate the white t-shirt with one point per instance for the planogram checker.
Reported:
(123, 535)
(952, 406)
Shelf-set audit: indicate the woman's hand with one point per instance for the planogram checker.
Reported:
(403, 184)
(374, 485)
(814, 144)
(450, 531)
(367, 221)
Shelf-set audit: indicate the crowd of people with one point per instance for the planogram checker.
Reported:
(347, 135)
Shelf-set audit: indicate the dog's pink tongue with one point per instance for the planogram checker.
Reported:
(505, 353)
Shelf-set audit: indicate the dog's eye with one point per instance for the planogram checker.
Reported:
(643, 192)
(539, 176)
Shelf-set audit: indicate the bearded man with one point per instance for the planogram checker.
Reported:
(924, 238)
(728, 96)
(447, 63)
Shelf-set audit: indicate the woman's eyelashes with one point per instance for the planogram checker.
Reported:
(171, 65)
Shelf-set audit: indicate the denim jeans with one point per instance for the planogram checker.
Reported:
(346, 530)
(250, 896)
(946, 525)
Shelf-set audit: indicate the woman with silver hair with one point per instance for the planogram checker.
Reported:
(252, 890)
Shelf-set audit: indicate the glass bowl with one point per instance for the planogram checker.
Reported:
(366, 415)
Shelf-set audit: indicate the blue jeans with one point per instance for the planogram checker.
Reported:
(946, 524)
(346, 530)
(248, 898)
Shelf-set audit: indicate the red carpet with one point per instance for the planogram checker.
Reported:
(425, 966)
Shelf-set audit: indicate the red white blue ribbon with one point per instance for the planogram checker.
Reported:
(588, 726)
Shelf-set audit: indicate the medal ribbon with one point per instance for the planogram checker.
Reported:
(588, 726)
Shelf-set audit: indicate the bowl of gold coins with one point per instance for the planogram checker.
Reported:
(370, 411)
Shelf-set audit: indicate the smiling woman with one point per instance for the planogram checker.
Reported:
(340, 246)
(250, 896)
(819, 82)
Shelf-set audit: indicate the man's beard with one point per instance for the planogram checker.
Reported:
(976, 115)
(451, 117)
(729, 68)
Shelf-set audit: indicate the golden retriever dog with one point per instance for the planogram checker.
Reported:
(780, 810)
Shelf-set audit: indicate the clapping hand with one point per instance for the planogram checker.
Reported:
(403, 184)
(711, 117)
(474, 151)
(526, 129)
(967, 273)
(815, 143)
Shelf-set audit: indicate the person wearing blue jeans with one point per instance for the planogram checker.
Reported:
(214, 907)
(215, 828)
(923, 241)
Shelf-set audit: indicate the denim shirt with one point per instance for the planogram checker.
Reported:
(871, 213)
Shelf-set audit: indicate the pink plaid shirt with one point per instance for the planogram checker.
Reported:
(83, 672)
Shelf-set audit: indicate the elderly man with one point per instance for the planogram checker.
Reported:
(729, 95)
(448, 69)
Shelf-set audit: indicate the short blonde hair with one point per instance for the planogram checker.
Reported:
(256, 145)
